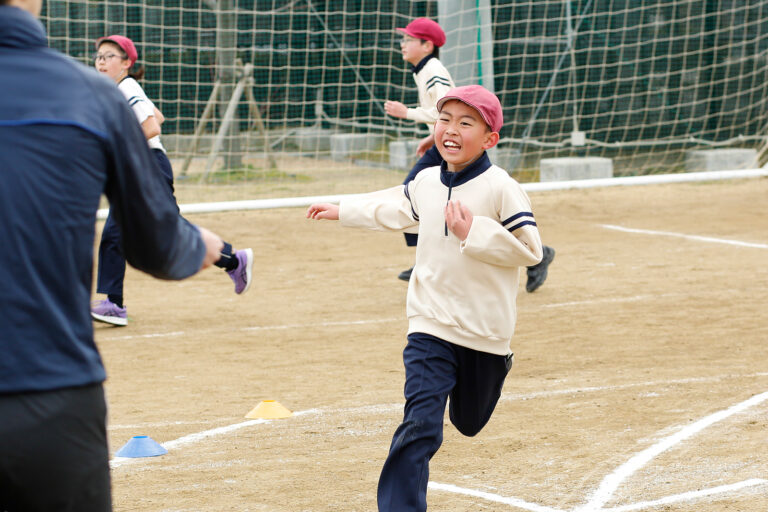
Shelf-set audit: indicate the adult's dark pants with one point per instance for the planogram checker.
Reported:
(53, 451)
(111, 266)
(430, 158)
(434, 371)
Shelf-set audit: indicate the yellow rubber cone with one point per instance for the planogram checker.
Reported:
(269, 410)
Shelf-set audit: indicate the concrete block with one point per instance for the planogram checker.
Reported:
(310, 139)
(346, 145)
(402, 154)
(725, 159)
(575, 168)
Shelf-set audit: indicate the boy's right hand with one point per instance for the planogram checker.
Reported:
(396, 109)
(325, 211)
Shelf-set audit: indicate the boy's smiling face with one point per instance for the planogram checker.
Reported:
(461, 135)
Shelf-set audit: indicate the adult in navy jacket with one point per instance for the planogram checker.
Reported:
(67, 135)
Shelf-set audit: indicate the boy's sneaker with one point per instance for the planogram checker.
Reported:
(405, 275)
(242, 274)
(537, 274)
(109, 312)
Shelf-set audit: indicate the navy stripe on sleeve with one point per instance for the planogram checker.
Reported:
(437, 77)
(134, 100)
(521, 224)
(413, 212)
(517, 216)
(524, 218)
(437, 80)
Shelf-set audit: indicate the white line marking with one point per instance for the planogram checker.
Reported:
(611, 482)
(611, 300)
(687, 237)
(573, 391)
(199, 436)
(505, 397)
(688, 496)
(154, 335)
(371, 321)
(676, 498)
(604, 492)
(160, 424)
(258, 328)
(515, 502)
(320, 324)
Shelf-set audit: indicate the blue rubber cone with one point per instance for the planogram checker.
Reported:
(141, 446)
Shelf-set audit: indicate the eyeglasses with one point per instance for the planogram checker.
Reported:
(105, 56)
(406, 40)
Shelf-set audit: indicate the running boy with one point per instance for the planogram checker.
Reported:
(476, 229)
(420, 46)
(115, 56)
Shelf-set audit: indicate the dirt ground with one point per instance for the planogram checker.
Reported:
(640, 379)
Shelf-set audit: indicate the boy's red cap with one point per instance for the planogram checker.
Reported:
(124, 43)
(479, 98)
(424, 28)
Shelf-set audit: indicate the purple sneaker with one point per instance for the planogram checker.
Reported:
(109, 312)
(242, 274)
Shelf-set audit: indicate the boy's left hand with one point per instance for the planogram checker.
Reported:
(458, 218)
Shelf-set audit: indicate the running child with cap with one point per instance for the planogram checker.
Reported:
(476, 229)
(420, 46)
(115, 58)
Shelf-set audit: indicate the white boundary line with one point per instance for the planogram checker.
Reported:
(689, 496)
(668, 500)
(574, 391)
(609, 485)
(257, 328)
(687, 237)
(103, 333)
(513, 502)
(611, 482)
(599, 498)
(292, 202)
(505, 397)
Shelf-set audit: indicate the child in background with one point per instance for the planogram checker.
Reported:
(420, 46)
(115, 57)
(461, 297)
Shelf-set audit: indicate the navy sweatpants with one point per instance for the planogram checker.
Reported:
(111, 268)
(430, 158)
(434, 371)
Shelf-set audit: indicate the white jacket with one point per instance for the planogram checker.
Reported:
(462, 292)
(432, 81)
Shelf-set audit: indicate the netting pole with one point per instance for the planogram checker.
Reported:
(577, 136)
(253, 109)
(200, 128)
(468, 26)
(226, 53)
(227, 121)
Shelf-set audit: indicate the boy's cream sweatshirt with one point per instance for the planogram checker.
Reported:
(461, 292)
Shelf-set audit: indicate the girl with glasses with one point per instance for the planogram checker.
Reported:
(115, 57)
